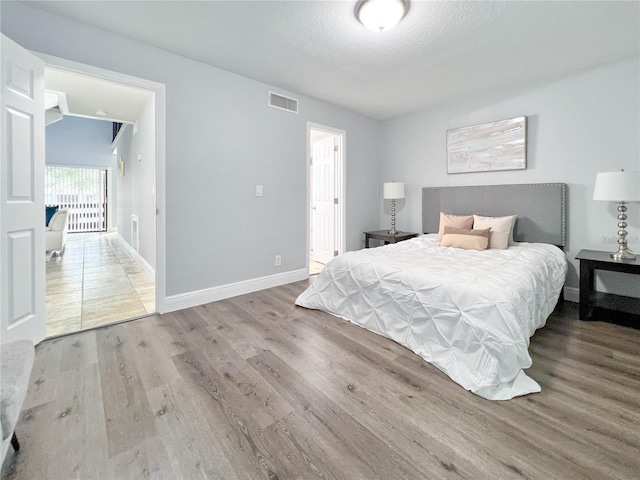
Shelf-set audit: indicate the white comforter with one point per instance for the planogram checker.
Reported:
(470, 313)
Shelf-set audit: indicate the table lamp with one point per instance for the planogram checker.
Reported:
(393, 191)
(620, 187)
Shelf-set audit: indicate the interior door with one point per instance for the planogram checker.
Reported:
(22, 246)
(323, 199)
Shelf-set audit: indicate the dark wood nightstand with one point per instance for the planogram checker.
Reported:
(605, 306)
(386, 238)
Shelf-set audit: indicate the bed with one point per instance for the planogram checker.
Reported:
(470, 313)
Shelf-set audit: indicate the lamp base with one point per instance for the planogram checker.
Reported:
(623, 254)
(393, 230)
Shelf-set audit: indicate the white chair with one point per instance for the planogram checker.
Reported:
(56, 232)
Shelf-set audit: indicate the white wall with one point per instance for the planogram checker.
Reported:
(137, 187)
(577, 126)
(222, 139)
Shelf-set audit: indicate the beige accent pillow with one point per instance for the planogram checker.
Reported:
(457, 221)
(465, 238)
(501, 229)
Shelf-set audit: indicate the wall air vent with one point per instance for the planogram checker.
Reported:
(283, 103)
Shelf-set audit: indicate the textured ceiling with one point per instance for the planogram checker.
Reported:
(440, 51)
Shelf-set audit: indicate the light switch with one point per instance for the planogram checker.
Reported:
(258, 190)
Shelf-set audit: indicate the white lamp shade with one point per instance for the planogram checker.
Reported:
(381, 15)
(617, 186)
(393, 190)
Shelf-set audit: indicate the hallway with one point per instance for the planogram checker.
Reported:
(96, 281)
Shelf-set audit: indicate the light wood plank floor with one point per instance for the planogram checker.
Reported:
(96, 281)
(256, 388)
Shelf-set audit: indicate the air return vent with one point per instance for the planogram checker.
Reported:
(283, 103)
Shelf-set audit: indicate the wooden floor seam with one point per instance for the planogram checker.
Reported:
(254, 387)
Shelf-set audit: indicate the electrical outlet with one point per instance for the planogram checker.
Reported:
(278, 260)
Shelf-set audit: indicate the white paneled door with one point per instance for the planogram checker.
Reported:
(22, 246)
(323, 199)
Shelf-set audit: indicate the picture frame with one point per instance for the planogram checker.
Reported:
(488, 147)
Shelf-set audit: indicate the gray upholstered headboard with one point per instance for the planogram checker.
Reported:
(541, 208)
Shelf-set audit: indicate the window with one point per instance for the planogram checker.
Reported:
(82, 191)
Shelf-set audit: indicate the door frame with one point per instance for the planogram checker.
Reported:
(340, 233)
(159, 94)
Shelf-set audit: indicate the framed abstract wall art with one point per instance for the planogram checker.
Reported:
(488, 147)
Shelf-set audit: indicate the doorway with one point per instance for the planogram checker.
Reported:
(107, 272)
(326, 195)
(23, 104)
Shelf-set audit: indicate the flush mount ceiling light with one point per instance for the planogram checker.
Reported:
(381, 15)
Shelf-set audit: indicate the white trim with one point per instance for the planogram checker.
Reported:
(96, 117)
(342, 180)
(111, 201)
(135, 232)
(572, 294)
(159, 94)
(148, 268)
(208, 295)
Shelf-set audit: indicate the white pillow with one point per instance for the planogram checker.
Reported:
(501, 229)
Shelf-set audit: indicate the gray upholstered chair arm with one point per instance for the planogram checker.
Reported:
(16, 362)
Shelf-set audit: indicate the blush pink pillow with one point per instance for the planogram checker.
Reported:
(456, 221)
(466, 239)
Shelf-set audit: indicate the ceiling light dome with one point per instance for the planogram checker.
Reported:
(381, 15)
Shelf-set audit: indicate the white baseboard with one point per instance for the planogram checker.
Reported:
(207, 295)
(148, 268)
(572, 294)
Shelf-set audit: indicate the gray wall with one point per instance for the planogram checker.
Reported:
(222, 139)
(577, 126)
(137, 187)
(75, 141)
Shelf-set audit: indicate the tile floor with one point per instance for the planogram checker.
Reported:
(94, 282)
